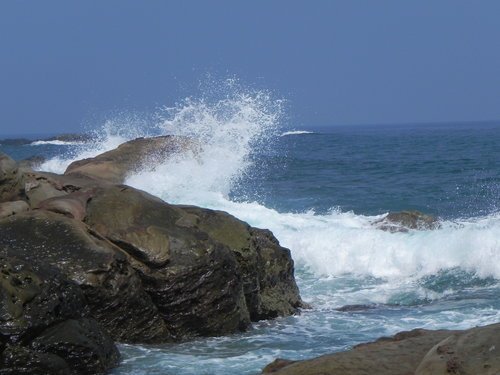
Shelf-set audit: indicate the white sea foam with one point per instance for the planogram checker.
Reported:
(55, 143)
(296, 132)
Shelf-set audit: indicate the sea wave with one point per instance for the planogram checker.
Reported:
(296, 132)
(55, 143)
(230, 131)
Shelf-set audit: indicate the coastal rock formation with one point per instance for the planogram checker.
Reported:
(149, 271)
(406, 220)
(474, 351)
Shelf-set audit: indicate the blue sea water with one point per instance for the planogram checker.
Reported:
(320, 190)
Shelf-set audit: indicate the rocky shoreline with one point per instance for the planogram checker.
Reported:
(87, 261)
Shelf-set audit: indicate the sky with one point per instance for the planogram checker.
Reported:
(67, 64)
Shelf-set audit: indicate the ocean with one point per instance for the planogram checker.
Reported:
(319, 189)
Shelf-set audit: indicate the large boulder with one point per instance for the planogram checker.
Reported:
(44, 327)
(113, 291)
(115, 165)
(267, 268)
(194, 281)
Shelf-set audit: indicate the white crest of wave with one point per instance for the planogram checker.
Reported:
(228, 131)
(296, 132)
(55, 143)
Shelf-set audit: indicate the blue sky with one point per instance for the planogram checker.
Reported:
(65, 64)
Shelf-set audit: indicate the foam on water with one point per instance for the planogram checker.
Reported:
(296, 132)
(55, 143)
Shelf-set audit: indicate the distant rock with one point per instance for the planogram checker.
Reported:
(355, 308)
(15, 141)
(406, 220)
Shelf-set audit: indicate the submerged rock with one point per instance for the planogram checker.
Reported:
(406, 220)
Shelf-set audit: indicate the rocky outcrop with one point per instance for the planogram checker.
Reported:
(406, 220)
(421, 352)
(149, 271)
(113, 166)
(44, 327)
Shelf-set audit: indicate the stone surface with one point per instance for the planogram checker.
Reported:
(114, 292)
(397, 355)
(13, 208)
(38, 305)
(472, 352)
(113, 166)
(406, 220)
(194, 281)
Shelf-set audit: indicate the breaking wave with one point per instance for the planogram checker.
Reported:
(230, 131)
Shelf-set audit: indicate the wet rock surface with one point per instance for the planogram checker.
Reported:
(406, 220)
(422, 352)
(44, 327)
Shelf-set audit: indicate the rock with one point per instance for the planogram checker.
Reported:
(8, 178)
(113, 166)
(406, 220)
(38, 305)
(15, 141)
(73, 205)
(397, 355)
(472, 352)
(114, 293)
(37, 187)
(13, 208)
(355, 308)
(194, 281)
(267, 268)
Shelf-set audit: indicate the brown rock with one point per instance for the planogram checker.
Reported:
(406, 220)
(113, 166)
(13, 208)
(471, 352)
(399, 355)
